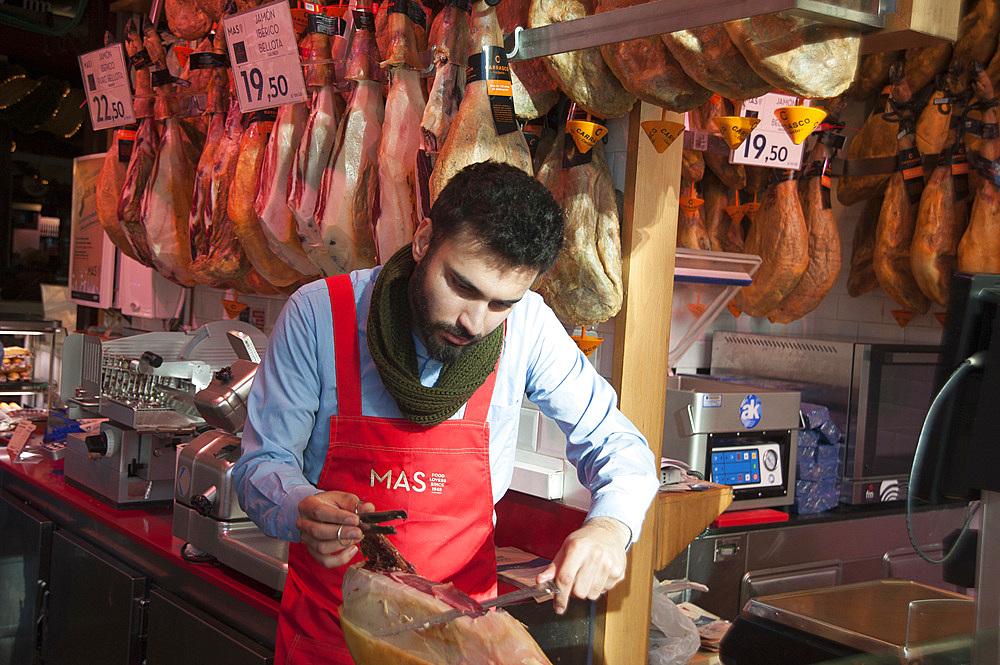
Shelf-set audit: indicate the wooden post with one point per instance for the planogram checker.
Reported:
(642, 335)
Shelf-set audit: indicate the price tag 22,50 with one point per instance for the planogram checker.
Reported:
(264, 57)
(109, 96)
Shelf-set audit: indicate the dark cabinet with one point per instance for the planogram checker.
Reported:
(95, 607)
(205, 640)
(25, 541)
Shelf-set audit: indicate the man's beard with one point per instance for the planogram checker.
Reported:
(438, 349)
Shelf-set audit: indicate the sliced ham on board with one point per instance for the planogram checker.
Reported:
(709, 56)
(240, 206)
(397, 151)
(221, 258)
(896, 223)
(326, 108)
(796, 54)
(649, 70)
(979, 249)
(584, 286)
(166, 201)
(535, 91)
(582, 75)
(862, 279)
(276, 219)
(779, 235)
(349, 186)
(691, 230)
(473, 136)
(824, 239)
(147, 136)
(450, 39)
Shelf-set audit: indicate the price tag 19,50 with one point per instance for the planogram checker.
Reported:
(264, 57)
(769, 144)
(109, 95)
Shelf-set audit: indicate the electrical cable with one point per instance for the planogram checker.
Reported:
(973, 362)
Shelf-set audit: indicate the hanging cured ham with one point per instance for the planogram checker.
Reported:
(943, 214)
(384, 35)
(277, 221)
(473, 136)
(166, 202)
(714, 212)
(649, 70)
(186, 18)
(873, 74)
(240, 206)
(350, 185)
(582, 75)
(709, 56)
(862, 279)
(876, 139)
(450, 38)
(897, 221)
(779, 235)
(691, 230)
(584, 286)
(326, 108)
(535, 91)
(796, 54)
(824, 238)
(732, 175)
(979, 249)
(397, 152)
(140, 164)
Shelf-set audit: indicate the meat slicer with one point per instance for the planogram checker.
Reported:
(207, 514)
(144, 385)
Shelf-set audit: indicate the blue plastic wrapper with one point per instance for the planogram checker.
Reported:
(828, 453)
(808, 437)
(829, 433)
(812, 469)
(815, 496)
(814, 415)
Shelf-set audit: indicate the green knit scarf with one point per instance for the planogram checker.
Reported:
(390, 342)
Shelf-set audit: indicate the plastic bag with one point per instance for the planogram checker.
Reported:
(673, 638)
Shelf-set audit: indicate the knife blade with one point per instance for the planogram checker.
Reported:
(538, 592)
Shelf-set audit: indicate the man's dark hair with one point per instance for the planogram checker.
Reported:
(510, 213)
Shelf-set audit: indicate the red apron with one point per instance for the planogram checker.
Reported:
(439, 475)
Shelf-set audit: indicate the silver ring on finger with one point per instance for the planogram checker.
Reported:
(341, 542)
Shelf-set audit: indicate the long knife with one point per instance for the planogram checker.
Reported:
(539, 592)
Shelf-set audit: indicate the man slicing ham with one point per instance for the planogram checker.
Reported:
(399, 387)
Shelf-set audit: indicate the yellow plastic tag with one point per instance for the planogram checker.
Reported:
(735, 128)
(585, 134)
(662, 133)
(690, 204)
(233, 308)
(799, 121)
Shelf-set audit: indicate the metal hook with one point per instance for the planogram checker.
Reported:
(430, 67)
(517, 42)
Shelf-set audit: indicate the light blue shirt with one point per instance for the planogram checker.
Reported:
(287, 431)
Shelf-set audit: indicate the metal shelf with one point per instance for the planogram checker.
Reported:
(663, 16)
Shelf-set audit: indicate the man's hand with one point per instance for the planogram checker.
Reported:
(330, 526)
(590, 561)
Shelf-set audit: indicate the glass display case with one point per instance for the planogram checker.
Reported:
(27, 375)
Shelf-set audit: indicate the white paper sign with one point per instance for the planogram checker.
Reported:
(768, 145)
(105, 78)
(265, 57)
(20, 436)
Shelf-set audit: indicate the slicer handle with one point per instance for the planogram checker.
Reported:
(243, 346)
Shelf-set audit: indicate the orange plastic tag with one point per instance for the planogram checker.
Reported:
(183, 53)
(750, 209)
(690, 204)
(696, 308)
(586, 344)
(662, 133)
(585, 134)
(903, 316)
(799, 121)
(735, 129)
(736, 213)
(233, 308)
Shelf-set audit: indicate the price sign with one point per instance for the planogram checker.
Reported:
(19, 437)
(769, 143)
(109, 96)
(264, 57)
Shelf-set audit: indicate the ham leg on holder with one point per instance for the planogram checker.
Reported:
(397, 151)
(473, 137)
(349, 186)
(313, 155)
(979, 249)
(450, 37)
